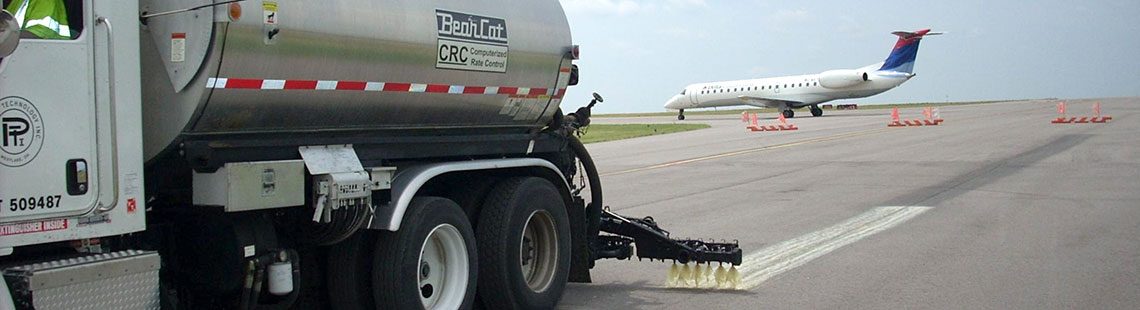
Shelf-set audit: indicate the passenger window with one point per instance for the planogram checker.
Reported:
(47, 19)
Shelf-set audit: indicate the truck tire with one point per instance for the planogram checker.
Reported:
(430, 263)
(524, 245)
(348, 277)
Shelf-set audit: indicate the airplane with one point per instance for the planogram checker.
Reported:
(792, 92)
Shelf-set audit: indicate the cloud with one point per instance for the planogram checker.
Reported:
(786, 16)
(624, 7)
(680, 4)
(617, 7)
(628, 49)
(684, 33)
(784, 20)
(851, 27)
(759, 71)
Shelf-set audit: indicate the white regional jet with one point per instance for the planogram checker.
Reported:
(793, 92)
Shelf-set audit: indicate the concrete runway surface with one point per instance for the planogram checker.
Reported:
(995, 208)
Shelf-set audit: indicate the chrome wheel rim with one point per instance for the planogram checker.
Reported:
(538, 255)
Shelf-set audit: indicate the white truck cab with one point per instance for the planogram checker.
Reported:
(71, 166)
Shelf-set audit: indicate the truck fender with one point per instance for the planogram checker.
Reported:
(408, 182)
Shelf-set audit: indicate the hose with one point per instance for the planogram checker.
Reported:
(594, 209)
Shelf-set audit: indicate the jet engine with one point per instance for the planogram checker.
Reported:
(842, 78)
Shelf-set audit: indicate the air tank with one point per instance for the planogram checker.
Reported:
(291, 66)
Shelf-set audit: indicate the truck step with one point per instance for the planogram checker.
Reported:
(118, 280)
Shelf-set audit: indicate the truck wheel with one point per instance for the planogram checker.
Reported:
(430, 263)
(524, 245)
(349, 282)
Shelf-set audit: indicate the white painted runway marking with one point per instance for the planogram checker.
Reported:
(777, 259)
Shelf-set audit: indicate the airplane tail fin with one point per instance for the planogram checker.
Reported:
(903, 55)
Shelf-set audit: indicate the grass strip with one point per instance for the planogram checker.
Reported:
(612, 132)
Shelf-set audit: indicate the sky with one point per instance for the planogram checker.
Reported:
(639, 53)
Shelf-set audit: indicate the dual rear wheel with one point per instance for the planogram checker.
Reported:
(518, 256)
(524, 245)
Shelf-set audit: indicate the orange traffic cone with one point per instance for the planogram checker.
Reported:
(895, 119)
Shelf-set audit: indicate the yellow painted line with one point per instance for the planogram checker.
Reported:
(751, 150)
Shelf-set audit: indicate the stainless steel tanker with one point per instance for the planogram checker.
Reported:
(287, 154)
(296, 66)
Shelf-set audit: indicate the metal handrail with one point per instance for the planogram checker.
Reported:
(114, 127)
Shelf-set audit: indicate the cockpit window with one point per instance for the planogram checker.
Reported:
(683, 92)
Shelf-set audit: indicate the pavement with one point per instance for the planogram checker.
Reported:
(995, 208)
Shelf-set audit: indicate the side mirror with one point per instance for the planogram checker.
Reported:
(573, 75)
(9, 33)
(598, 97)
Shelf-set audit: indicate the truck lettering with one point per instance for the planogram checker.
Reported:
(33, 202)
(21, 132)
(33, 227)
(471, 27)
(14, 129)
(453, 54)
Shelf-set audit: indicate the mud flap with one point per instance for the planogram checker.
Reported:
(581, 261)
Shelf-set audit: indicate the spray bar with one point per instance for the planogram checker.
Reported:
(655, 243)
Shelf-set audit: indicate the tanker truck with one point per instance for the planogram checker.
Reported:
(353, 154)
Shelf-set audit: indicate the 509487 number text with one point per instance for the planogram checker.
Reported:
(32, 203)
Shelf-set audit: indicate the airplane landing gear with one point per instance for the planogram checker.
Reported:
(681, 115)
(789, 113)
(816, 111)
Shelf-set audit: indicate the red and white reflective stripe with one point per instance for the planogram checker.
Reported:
(261, 84)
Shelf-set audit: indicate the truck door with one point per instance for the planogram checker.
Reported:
(48, 130)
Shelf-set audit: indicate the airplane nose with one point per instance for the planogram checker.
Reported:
(674, 103)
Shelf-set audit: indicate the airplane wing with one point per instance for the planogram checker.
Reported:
(768, 103)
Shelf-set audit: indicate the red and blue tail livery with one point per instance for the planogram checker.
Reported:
(906, 50)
